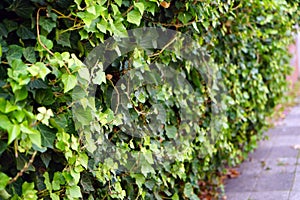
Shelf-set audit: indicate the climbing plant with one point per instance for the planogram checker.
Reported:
(61, 133)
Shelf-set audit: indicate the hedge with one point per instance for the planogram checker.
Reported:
(204, 76)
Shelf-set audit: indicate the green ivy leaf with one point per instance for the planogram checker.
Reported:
(102, 25)
(14, 52)
(69, 82)
(83, 160)
(19, 115)
(63, 38)
(5, 123)
(54, 196)
(139, 179)
(74, 191)
(3, 146)
(10, 25)
(29, 54)
(83, 116)
(48, 43)
(175, 197)
(48, 135)
(184, 17)
(28, 191)
(47, 24)
(4, 179)
(3, 30)
(188, 190)
(34, 135)
(6, 106)
(134, 17)
(78, 2)
(86, 183)
(87, 17)
(25, 33)
(118, 2)
(22, 8)
(36, 139)
(171, 131)
(39, 70)
(146, 168)
(21, 94)
(140, 6)
(99, 78)
(47, 182)
(4, 194)
(44, 96)
(58, 180)
(46, 157)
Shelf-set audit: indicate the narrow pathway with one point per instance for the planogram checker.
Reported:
(272, 172)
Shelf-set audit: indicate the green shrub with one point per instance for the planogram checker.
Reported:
(61, 137)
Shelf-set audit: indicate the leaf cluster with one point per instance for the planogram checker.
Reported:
(57, 140)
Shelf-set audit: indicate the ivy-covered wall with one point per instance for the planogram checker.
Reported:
(92, 109)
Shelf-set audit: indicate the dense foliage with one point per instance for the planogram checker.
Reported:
(48, 143)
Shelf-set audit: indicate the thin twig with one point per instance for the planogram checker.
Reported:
(118, 98)
(38, 31)
(164, 48)
(75, 27)
(67, 69)
(26, 166)
(128, 10)
(62, 15)
(178, 25)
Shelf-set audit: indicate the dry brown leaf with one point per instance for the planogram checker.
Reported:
(109, 76)
(232, 173)
(165, 4)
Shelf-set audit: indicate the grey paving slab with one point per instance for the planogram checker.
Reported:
(295, 111)
(286, 131)
(238, 195)
(274, 182)
(279, 165)
(283, 152)
(253, 167)
(296, 184)
(287, 140)
(244, 183)
(269, 195)
(292, 122)
(261, 153)
(294, 195)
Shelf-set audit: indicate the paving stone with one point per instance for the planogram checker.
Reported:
(296, 184)
(294, 111)
(253, 167)
(279, 165)
(291, 121)
(238, 195)
(269, 195)
(261, 153)
(287, 140)
(294, 195)
(293, 131)
(283, 151)
(244, 183)
(274, 182)
(270, 132)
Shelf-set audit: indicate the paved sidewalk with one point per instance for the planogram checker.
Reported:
(272, 172)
